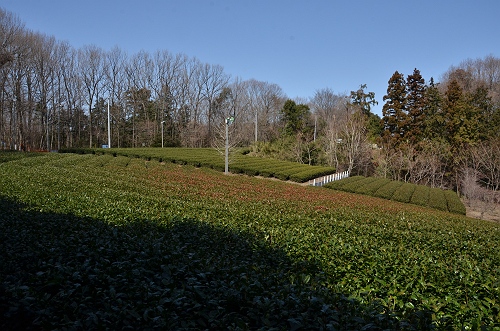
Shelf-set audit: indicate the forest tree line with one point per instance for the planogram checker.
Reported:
(54, 96)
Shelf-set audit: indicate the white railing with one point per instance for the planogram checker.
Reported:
(329, 178)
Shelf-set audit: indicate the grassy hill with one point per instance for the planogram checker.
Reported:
(97, 241)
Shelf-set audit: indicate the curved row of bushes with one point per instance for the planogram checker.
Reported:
(211, 158)
(445, 200)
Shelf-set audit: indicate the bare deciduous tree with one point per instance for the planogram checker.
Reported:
(346, 140)
(91, 62)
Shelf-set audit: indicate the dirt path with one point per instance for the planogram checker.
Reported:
(490, 215)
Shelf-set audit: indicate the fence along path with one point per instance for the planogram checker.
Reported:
(320, 181)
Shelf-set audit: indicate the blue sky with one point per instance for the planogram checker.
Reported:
(303, 46)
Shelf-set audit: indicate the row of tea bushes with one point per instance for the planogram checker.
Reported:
(445, 200)
(211, 158)
(99, 242)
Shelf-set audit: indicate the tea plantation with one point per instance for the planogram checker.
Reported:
(240, 163)
(103, 241)
(421, 195)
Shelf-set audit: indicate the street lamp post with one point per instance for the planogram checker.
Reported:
(48, 140)
(162, 122)
(109, 127)
(229, 121)
(14, 116)
(59, 126)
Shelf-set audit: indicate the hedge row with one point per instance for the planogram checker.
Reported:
(239, 162)
(445, 200)
(386, 191)
(455, 205)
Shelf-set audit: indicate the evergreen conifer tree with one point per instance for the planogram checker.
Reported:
(415, 105)
(434, 117)
(394, 114)
(461, 117)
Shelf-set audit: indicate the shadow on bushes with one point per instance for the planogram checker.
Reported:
(65, 272)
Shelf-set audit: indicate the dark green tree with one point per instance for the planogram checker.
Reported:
(461, 118)
(434, 121)
(394, 115)
(482, 107)
(295, 118)
(415, 106)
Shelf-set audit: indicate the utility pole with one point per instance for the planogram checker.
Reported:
(59, 126)
(162, 122)
(229, 121)
(109, 127)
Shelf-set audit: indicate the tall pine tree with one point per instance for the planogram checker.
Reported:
(434, 120)
(461, 117)
(415, 105)
(394, 114)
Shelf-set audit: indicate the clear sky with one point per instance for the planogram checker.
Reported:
(301, 45)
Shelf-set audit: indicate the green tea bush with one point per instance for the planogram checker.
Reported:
(371, 187)
(420, 196)
(6, 156)
(437, 199)
(387, 191)
(339, 184)
(401, 192)
(311, 173)
(404, 193)
(357, 185)
(455, 205)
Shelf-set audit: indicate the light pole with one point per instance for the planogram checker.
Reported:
(59, 126)
(48, 141)
(229, 121)
(162, 122)
(14, 116)
(109, 127)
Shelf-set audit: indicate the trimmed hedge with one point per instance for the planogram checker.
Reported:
(339, 184)
(454, 203)
(311, 173)
(387, 191)
(421, 195)
(206, 157)
(404, 193)
(354, 186)
(373, 186)
(437, 200)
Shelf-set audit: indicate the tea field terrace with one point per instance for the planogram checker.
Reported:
(97, 241)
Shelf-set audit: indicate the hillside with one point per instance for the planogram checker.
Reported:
(94, 241)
